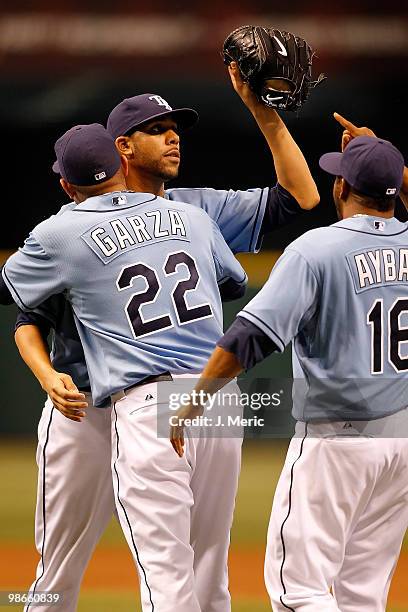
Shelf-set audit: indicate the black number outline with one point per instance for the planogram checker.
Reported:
(186, 308)
(372, 324)
(392, 334)
(139, 309)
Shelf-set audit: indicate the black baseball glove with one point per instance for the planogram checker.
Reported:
(277, 65)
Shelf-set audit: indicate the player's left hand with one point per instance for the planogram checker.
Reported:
(65, 395)
(190, 411)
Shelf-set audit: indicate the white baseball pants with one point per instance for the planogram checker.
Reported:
(176, 513)
(75, 500)
(339, 516)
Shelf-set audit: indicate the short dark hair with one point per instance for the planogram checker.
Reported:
(381, 204)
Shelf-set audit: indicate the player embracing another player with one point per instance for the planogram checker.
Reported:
(147, 133)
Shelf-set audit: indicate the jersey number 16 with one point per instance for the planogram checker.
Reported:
(390, 330)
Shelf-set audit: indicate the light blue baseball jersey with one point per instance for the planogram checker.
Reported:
(142, 276)
(238, 214)
(341, 294)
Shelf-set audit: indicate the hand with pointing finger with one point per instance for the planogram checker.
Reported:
(350, 130)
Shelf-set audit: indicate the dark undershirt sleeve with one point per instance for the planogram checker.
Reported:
(281, 209)
(247, 342)
(5, 295)
(231, 290)
(32, 318)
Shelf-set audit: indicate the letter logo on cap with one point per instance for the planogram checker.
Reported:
(391, 191)
(161, 102)
(100, 176)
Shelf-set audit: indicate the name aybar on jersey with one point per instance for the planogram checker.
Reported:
(126, 232)
(381, 266)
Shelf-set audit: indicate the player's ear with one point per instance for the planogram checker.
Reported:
(68, 188)
(344, 189)
(123, 146)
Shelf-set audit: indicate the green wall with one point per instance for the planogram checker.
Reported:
(21, 396)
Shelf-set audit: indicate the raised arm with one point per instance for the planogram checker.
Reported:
(291, 167)
(352, 131)
(60, 387)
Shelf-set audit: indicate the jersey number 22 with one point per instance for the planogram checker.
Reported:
(142, 327)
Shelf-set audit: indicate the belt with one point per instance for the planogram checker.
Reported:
(154, 378)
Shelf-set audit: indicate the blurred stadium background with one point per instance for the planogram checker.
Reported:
(66, 62)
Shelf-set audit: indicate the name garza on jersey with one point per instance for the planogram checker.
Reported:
(111, 238)
(380, 266)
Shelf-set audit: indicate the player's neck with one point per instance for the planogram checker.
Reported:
(352, 207)
(100, 190)
(145, 184)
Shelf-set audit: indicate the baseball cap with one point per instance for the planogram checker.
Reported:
(86, 155)
(132, 112)
(372, 166)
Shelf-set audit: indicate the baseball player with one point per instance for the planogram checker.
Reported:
(65, 546)
(351, 131)
(148, 124)
(341, 505)
(148, 309)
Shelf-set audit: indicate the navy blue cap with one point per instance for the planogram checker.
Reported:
(86, 155)
(372, 166)
(133, 112)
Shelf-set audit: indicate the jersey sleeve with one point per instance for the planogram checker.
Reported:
(247, 342)
(281, 209)
(33, 318)
(288, 300)
(227, 266)
(6, 299)
(238, 214)
(32, 275)
(45, 316)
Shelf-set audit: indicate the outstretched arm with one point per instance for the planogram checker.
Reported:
(290, 165)
(59, 386)
(242, 346)
(352, 131)
(266, 324)
(222, 367)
